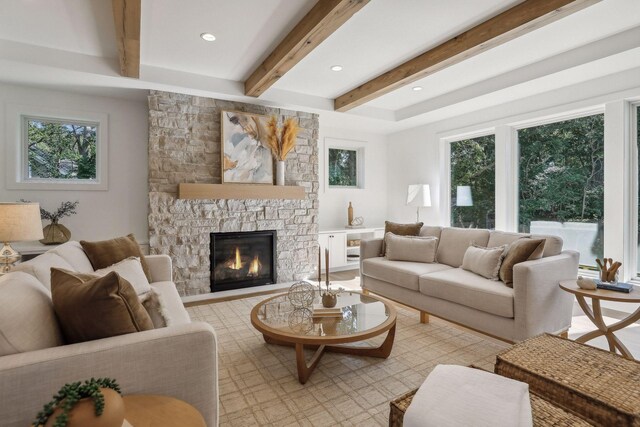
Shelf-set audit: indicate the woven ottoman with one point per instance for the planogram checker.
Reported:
(601, 387)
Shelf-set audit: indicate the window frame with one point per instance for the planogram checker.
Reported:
(344, 144)
(17, 159)
(445, 181)
(516, 167)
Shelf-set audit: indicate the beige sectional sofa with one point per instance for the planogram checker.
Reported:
(179, 360)
(534, 305)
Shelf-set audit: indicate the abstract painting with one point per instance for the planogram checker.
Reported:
(246, 157)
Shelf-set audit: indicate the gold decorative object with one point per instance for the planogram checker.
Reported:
(608, 269)
(301, 320)
(55, 234)
(329, 299)
(350, 214)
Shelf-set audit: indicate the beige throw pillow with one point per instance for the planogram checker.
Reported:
(131, 270)
(411, 248)
(484, 261)
(400, 230)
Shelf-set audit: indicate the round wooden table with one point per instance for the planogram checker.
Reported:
(363, 317)
(147, 410)
(595, 314)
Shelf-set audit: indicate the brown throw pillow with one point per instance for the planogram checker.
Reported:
(519, 251)
(400, 230)
(89, 307)
(105, 253)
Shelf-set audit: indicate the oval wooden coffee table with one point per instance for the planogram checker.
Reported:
(363, 317)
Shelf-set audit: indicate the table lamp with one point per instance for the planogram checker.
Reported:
(418, 195)
(18, 222)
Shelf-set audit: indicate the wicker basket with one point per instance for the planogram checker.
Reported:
(543, 413)
(602, 387)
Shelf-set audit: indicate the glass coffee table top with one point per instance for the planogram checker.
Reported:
(360, 313)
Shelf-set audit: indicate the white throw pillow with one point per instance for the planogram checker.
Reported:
(129, 269)
(410, 248)
(484, 261)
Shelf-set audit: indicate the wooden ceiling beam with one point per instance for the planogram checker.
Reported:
(510, 24)
(321, 21)
(126, 17)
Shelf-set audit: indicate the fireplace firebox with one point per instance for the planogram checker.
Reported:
(242, 259)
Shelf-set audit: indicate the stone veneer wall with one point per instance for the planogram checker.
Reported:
(184, 147)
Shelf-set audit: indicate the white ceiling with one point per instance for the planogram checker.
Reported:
(70, 45)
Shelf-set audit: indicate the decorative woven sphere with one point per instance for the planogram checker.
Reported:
(301, 320)
(301, 294)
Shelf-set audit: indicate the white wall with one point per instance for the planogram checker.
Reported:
(369, 202)
(120, 210)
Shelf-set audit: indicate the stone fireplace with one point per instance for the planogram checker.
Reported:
(242, 259)
(184, 147)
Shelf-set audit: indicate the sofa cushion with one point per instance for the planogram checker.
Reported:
(105, 253)
(454, 243)
(519, 251)
(501, 238)
(430, 231)
(92, 307)
(172, 308)
(400, 230)
(73, 253)
(401, 273)
(552, 244)
(27, 319)
(484, 261)
(411, 248)
(468, 289)
(40, 267)
(131, 270)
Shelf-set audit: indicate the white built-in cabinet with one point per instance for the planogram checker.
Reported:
(344, 252)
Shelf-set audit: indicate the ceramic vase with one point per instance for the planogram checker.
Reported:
(280, 169)
(55, 234)
(329, 300)
(83, 413)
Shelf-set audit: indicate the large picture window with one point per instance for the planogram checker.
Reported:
(561, 183)
(473, 182)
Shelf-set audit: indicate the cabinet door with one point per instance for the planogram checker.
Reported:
(323, 239)
(338, 249)
(378, 233)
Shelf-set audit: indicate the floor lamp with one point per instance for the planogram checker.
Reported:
(18, 222)
(418, 195)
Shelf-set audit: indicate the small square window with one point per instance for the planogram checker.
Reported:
(343, 167)
(59, 149)
(53, 149)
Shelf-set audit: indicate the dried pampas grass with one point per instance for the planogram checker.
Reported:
(281, 141)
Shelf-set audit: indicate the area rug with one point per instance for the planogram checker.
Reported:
(258, 382)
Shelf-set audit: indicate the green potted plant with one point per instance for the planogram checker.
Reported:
(94, 402)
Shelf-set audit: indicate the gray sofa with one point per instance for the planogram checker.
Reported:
(534, 305)
(179, 360)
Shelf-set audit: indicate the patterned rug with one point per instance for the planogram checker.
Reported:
(259, 386)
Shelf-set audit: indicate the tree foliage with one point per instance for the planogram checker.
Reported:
(473, 164)
(61, 150)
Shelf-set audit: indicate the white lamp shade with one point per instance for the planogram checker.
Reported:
(463, 196)
(20, 222)
(419, 195)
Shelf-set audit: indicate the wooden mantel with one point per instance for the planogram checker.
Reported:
(239, 191)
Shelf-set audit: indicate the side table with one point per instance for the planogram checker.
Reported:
(147, 410)
(595, 314)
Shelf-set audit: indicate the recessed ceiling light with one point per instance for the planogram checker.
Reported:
(207, 37)
(336, 68)
(417, 88)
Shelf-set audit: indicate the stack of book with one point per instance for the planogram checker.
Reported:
(327, 312)
(618, 287)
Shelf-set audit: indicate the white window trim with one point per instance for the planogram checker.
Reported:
(445, 177)
(351, 145)
(16, 159)
(634, 171)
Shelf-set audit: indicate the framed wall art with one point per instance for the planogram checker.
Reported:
(246, 156)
